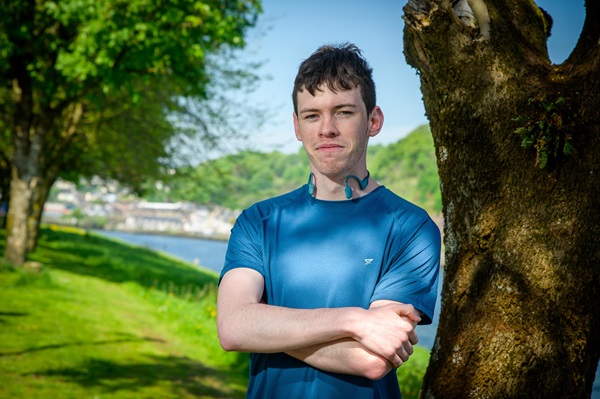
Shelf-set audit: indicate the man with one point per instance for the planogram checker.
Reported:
(325, 285)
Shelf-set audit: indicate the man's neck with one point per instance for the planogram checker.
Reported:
(335, 190)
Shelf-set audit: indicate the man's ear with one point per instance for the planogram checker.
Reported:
(375, 121)
(296, 126)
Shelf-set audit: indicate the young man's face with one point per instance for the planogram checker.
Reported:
(335, 129)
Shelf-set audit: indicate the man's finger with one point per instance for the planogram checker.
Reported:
(404, 354)
(413, 338)
(396, 361)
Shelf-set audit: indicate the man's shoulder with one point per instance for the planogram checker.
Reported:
(281, 200)
(396, 204)
(267, 206)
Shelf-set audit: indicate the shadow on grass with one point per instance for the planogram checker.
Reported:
(180, 372)
(13, 314)
(80, 343)
(91, 255)
(4, 315)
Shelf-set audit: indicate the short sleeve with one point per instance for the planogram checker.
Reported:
(412, 276)
(244, 248)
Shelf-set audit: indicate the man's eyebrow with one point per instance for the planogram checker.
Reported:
(351, 105)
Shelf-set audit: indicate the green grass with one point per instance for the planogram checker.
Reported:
(103, 319)
(107, 320)
(411, 374)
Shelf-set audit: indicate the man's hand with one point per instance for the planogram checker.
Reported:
(387, 326)
(387, 329)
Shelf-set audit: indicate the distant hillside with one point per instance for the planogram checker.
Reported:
(407, 167)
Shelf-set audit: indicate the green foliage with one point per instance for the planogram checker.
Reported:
(123, 141)
(139, 325)
(545, 131)
(407, 167)
(70, 47)
(237, 181)
(108, 79)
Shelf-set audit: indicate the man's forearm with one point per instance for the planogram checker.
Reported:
(345, 356)
(262, 328)
(308, 334)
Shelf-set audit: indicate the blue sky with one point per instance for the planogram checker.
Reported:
(289, 31)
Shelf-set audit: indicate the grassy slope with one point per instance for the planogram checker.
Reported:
(107, 320)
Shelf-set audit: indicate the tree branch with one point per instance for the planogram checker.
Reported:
(587, 49)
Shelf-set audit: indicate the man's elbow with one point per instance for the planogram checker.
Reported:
(227, 344)
(229, 340)
(375, 368)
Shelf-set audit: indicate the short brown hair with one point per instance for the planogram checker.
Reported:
(339, 67)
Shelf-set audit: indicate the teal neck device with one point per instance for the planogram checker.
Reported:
(361, 183)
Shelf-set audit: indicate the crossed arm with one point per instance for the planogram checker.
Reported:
(351, 340)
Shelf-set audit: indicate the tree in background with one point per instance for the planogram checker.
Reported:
(517, 142)
(63, 66)
(125, 141)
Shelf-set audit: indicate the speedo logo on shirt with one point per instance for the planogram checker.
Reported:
(368, 262)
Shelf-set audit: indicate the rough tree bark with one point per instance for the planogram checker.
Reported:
(520, 300)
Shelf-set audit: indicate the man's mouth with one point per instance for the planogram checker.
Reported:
(329, 147)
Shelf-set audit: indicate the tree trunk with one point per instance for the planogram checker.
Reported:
(22, 188)
(37, 160)
(522, 228)
(40, 195)
(25, 167)
(16, 225)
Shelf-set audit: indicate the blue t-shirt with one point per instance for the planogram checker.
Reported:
(315, 254)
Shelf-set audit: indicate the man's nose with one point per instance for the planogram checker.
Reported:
(328, 127)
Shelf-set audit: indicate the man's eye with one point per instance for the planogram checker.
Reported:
(343, 112)
(311, 116)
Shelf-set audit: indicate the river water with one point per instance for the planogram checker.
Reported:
(210, 254)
